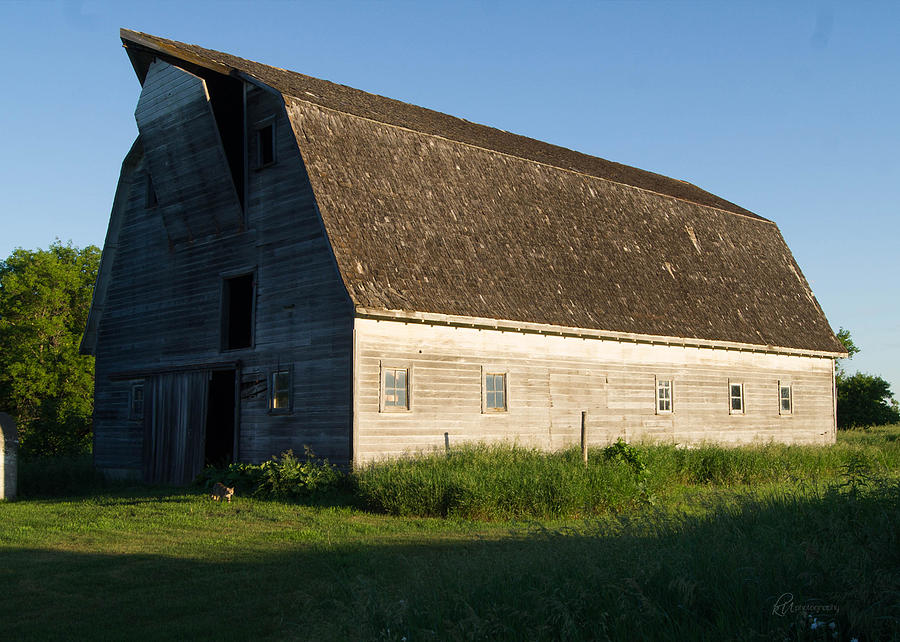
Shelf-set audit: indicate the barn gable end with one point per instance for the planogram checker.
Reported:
(158, 321)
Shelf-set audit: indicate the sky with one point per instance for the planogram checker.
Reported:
(791, 110)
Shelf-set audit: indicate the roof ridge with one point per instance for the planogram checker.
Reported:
(755, 217)
(391, 111)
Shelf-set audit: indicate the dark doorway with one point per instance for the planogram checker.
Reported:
(220, 419)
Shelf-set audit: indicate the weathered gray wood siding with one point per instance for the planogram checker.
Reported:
(552, 379)
(163, 305)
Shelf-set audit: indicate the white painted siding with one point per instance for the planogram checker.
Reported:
(552, 379)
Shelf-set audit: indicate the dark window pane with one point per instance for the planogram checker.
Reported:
(266, 140)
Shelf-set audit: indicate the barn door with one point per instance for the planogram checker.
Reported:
(174, 422)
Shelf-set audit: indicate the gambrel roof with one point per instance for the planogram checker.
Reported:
(428, 213)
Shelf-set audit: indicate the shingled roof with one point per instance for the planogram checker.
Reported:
(430, 213)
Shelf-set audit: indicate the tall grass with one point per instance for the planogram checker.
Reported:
(491, 482)
(58, 476)
(501, 481)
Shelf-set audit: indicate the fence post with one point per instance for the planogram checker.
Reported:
(9, 451)
(584, 436)
(447, 442)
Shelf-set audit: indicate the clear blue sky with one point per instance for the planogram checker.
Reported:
(791, 110)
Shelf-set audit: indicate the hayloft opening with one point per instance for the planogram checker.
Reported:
(237, 312)
(226, 95)
(219, 447)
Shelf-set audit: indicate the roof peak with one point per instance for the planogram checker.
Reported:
(390, 111)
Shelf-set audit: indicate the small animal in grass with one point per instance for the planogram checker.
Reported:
(220, 490)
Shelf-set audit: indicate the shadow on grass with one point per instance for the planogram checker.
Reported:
(761, 570)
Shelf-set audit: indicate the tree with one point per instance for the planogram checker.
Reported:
(862, 399)
(45, 296)
(843, 336)
(865, 400)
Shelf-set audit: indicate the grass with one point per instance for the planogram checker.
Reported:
(711, 557)
(502, 482)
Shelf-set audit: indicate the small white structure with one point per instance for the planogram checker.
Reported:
(9, 451)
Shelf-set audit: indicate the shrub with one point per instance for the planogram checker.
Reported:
(625, 453)
(282, 477)
(289, 478)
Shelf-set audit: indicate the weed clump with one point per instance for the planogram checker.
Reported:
(621, 451)
(282, 477)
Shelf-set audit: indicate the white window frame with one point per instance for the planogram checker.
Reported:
(289, 408)
(671, 399)
(731, 398)
(790, 398)
(491, 371)
(384, 367)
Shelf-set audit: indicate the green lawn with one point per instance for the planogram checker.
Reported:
(702, 561)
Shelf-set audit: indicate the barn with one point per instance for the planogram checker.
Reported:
(291, 262)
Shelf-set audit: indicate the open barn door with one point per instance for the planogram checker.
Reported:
(221, 419)
(174, 426)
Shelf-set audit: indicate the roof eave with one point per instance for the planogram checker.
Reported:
(484, 323)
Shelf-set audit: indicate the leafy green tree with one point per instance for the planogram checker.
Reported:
(865, 400)
(45, 296)
(844, 337)
(862, 399)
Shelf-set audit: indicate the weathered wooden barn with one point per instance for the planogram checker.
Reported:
(293, 262)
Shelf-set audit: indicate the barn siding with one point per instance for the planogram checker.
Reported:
(163, 304)
(552, 379)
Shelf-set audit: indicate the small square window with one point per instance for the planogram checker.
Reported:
(265, 145)
(395, 389)
(663, 396)
(785, 398)
(136, 403)
(281, 391)
(495, 392)
(736, 398)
